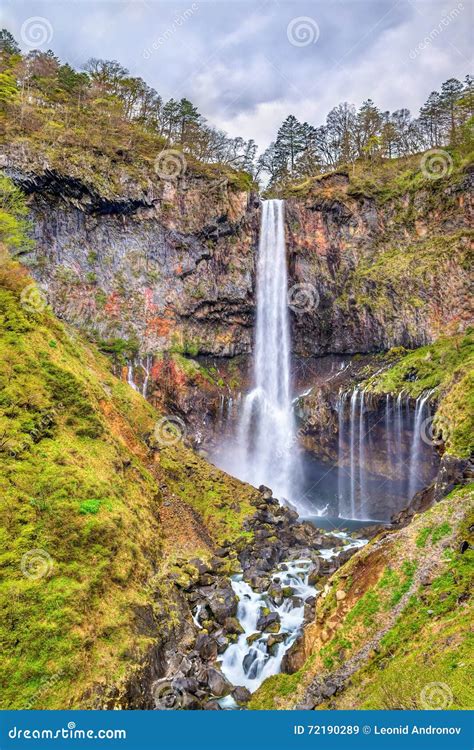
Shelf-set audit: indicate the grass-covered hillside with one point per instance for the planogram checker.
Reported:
(96, 503)
(392, 622)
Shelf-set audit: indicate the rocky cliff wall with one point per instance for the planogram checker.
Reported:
(373, 271)
(165, 267)
(170, 264)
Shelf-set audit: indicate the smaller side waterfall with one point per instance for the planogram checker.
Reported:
(421, 413)
(145, 366)
(383, 457)
(130, 379)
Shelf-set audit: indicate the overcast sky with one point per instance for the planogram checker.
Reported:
(247, 64)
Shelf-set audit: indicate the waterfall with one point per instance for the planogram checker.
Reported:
(146, 367)
(362, 458)
(344, 510)
(399, 433)
(388, 428)
(130, 379)
(397, 439)
(352, 431)
(415, 483)
(266, 432)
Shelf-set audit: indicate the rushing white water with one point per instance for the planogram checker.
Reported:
(415, 481)
(248, 664)
(266, 439)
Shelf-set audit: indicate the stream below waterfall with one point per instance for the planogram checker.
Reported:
(258, 654)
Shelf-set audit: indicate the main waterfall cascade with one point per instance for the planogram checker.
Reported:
(266, 443)
(381, 450)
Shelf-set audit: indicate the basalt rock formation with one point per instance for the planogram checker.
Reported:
(161, 265)
(171, 263)
(377, 266)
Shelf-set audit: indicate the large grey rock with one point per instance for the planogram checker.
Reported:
(218, 684)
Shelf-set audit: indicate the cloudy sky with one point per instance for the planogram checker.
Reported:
(247, 64)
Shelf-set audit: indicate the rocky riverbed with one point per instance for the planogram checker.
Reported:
(248, 607)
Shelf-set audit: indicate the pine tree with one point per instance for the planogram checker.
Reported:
(290, 142)
(451, 91)
(8, 43)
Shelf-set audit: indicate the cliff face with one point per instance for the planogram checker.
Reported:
(376, 268)
(165, 266)
(171, 263)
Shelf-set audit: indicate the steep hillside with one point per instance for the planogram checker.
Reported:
(99, 496)
(392, 625)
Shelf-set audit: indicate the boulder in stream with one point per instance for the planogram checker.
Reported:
(269, 622)
(218, 684)
(241, 695)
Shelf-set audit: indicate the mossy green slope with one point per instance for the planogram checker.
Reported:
(82, 484)
(409, 595)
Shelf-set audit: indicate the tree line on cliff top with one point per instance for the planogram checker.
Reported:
(39, 94)
(348, 135)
